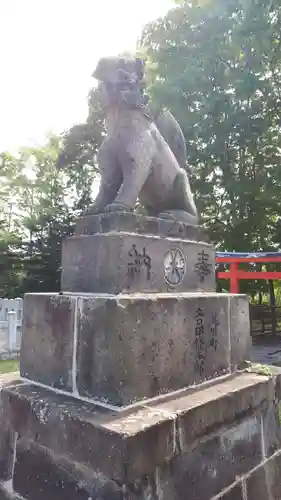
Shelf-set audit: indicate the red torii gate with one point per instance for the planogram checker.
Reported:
(235, 274)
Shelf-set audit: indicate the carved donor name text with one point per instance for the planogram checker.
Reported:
(199, 341)
(138, 260)
(206, 338)
(203, 267)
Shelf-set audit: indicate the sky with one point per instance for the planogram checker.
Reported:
(48, 51)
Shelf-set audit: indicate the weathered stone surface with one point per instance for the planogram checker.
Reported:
(213, 465)
(137, 347)
(264, 483)
(129, 347)
(240, 340)
(40, 476)
(271, 429)
(273, 477)
(7, 442)
(134, 223)
(233, 494)
(110, 490)
(7, 435)
(77, 430)
(276, 374)
(47, 341)
(6, 495)
(205, 411)
(125, 343)
(124, 262)
(258, 486)
(217, 463)
(133, 443)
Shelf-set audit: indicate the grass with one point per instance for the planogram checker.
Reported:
(9, 365)
(261, 369)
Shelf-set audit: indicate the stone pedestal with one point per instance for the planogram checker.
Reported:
(113, 334)
(124, 262)
(138, 224)
(130, 347)
(133, 377)
(215, 443)
(119, 253)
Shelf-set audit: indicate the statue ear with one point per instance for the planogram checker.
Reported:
(105, 69)
(139, 65)
(100, 69)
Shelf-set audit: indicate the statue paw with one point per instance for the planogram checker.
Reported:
(117, 207)
(179, 216)
(91, 210)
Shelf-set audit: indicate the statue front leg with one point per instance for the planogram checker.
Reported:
(136, 166)
(129, 191)
(118, 207)
(106, 194)
(111, 179)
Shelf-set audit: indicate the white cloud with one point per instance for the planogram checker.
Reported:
(48, 51)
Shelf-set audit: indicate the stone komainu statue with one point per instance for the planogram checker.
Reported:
(140, 158)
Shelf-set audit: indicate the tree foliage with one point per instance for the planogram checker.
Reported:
(83, 140)
(39, 203)
(216, 65)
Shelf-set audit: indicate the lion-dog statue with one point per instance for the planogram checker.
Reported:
(135, 160)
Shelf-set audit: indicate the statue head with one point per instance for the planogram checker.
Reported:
(119, 70)
(119, 77)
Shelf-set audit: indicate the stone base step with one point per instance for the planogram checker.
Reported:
(139, 224)
(204, 442)
(125, 348)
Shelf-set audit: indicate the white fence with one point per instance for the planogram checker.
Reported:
(11, 314)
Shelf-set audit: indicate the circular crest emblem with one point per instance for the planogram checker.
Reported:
(174, 267)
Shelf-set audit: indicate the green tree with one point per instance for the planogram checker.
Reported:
(39, 204)
(11, 264)
(216, 65)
